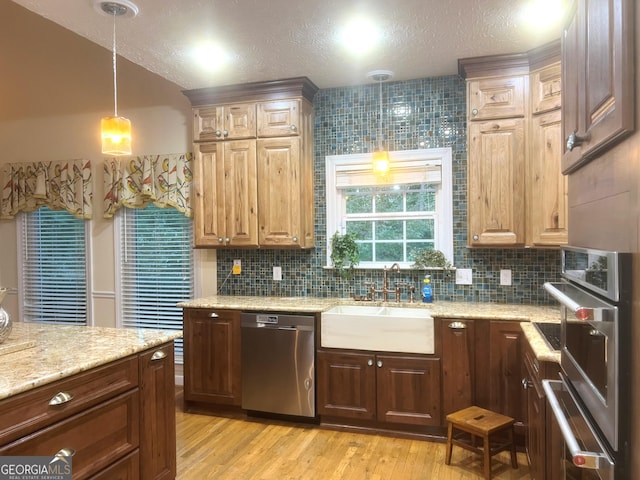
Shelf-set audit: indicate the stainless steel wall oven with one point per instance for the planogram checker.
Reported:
(593, 396)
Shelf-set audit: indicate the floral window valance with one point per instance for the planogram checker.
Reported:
(134, 182)
(60, 185)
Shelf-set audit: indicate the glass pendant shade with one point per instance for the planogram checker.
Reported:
(116, 136)
(381, 162)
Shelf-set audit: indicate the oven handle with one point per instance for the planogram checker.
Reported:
(590, 460)
(561, 297)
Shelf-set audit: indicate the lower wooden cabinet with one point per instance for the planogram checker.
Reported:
(389, 388)
(539, 441)
(458, 364)
(212, 356)
(117, 420)
(157, 414)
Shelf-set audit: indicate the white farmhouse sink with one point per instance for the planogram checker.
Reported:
(385, 329)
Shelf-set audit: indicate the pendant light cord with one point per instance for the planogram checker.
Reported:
(115, 80)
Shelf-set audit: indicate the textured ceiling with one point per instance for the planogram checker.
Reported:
(271, 39)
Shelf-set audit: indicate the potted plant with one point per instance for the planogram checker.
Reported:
(345, 253)
(430, 258)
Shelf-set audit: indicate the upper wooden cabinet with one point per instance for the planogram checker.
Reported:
(515, 189)
(253, 172)
(501, 97)
(225, 192)
(598, 79)
(546, 85)
(495, 185)
(224, 122)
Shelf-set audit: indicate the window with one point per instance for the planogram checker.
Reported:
(53, 273)
(155, 268)
(407, 210)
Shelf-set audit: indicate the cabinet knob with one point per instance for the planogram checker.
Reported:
(370, 362)
(379, 363)
(158, 355)
(213, 315)
(220, 239)
(61, 398)
(526, 383)
(293, 128)
(457, 326)
(66, 452)
(295, 239)
(575, 141)
(474, 112)
(218, 133)
(476, 237)
(227, 240)
(225, 133)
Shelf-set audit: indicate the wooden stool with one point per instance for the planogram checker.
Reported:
(479, 422)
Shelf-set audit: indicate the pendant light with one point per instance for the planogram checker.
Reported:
(116, 130)
(380, 158)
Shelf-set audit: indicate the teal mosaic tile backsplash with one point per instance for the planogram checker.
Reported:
(422, 113)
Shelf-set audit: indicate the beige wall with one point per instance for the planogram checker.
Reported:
(54, 88)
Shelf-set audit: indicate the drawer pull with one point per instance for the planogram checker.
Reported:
(158, 355)
(213, 315)
(66, 452)
(61, 398)
(457, 326)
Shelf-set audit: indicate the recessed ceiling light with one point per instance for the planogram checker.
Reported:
(212, 56)
(543, 13)
(360, 35)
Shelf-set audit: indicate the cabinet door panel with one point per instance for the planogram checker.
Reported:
(505, 365)
(457, 365)
(279, 191)
(240, 195)
(208, 124)
(502, 97)
(209, 217)
(496, 172)
(158, 414)
(279, 118)
(240, 121)
(546, 86)
(598, 55)
(547, 190)
(409, 390)
(212, 357)
(346, 385)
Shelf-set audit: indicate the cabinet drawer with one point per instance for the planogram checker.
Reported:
(27, 412)
(127, 468)
(98, 436)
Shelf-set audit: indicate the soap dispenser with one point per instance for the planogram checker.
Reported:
(427, 292)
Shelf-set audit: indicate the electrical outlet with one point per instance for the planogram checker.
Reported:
(505, 277)
(277, 273)
(464, 276)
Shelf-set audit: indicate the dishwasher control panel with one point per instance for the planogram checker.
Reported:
(268, 319)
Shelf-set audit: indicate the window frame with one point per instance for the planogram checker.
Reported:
(21, 219)
(119, 218)
(335, 203)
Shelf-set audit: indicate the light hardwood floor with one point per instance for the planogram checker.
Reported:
(225, 448)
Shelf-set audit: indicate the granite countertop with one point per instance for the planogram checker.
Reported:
(461, 310)
(42, 353)
(487, 311)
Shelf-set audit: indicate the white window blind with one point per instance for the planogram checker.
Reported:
(54, 273)
(156, 268)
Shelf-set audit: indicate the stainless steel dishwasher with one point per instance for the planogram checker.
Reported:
(278, 363)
